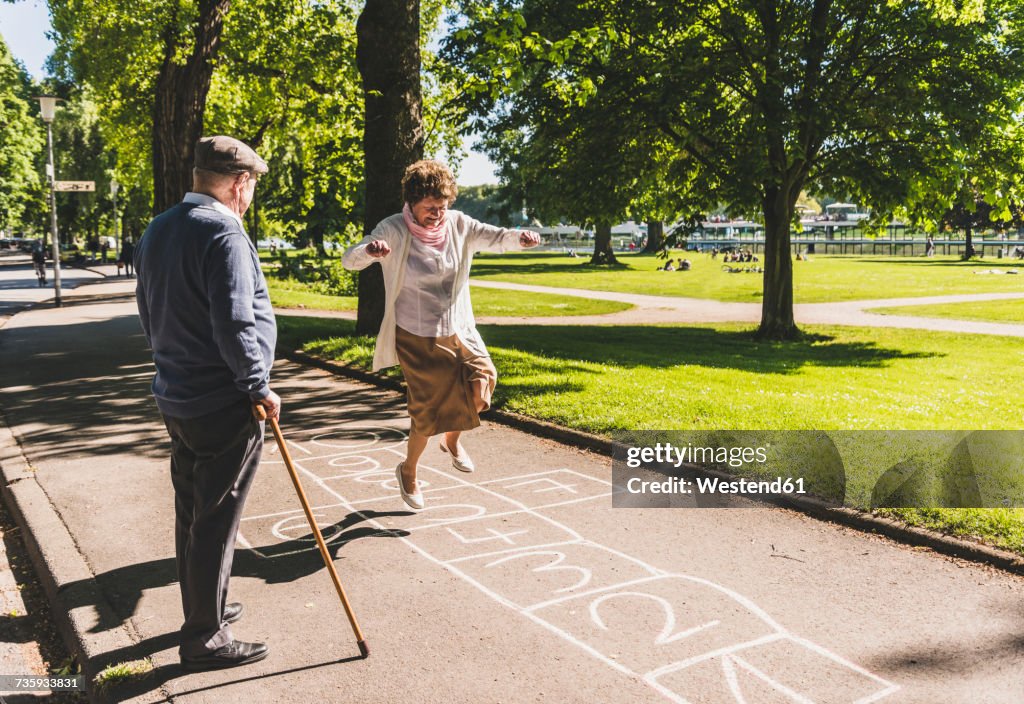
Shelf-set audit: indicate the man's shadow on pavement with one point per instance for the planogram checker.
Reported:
(162, 675)
(274, 564)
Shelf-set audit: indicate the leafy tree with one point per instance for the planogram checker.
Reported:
(80, 154)
(287, 83)
(485, 203)
(151, 63)
(982, 188)
(980, 215)
(558, 144)
(279, 75)
(750, 101)
(22, 140)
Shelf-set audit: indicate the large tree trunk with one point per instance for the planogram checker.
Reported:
(180, 103)
(777, 304)
(969, 250)
(655, 236)
(388, 56)
(603, 253)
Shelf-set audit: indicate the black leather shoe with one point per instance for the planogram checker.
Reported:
(233, 654)
(232, 612)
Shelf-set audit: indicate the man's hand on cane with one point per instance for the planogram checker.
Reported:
(272, 405)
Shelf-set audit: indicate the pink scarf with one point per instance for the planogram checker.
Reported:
(432, 237)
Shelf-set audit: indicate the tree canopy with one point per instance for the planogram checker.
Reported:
(743, 102)
(282, 78)
(22, 139)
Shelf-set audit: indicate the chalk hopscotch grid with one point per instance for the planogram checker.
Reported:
(729, 656)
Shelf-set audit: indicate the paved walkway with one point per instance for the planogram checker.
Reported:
(19, 287)
(519, 583)
(668, 309)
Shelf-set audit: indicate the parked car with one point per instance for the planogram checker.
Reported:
(24, 244)
(71, 254)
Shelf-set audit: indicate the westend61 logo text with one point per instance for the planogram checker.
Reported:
(667, 453)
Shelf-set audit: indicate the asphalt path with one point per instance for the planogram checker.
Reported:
(519, 583)
(649, 309)
(20, 288)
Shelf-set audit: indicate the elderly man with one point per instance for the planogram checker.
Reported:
(204, 308)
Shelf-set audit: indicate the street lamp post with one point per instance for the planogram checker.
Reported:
(114, 185)
(48, 108)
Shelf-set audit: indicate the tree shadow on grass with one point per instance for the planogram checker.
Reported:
(664, 347)
(558, 264)
(931, 263)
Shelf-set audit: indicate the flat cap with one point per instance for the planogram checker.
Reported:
(227, 155)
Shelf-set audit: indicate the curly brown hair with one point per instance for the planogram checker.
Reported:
(428, 179)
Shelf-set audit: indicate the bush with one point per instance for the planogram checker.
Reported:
(320, 275)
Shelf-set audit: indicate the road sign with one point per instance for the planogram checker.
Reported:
(80, 186)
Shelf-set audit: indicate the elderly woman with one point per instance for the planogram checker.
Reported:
(428, 329)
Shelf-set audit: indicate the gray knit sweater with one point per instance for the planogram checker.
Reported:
(205, 310)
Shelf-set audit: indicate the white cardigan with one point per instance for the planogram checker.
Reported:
(469, 236)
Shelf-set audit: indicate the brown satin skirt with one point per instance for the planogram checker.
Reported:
(441, 375)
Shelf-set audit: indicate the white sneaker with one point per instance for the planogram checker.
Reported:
(415, 500)
(460, 461)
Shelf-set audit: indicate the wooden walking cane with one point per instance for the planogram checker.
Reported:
(261, 413)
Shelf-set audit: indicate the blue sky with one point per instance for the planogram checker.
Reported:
(24, 25)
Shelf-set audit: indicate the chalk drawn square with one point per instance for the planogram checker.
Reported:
(380, 484)
(330, 452)
(532, 577)
(788, 671)
(553, 488)
(272, 490)
(347, 438)
(287, 532)
(453, 502)
(666, 620)
(488, 535)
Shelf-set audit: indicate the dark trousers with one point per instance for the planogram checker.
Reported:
(213, 461)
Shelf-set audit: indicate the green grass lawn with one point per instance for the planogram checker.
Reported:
(603, 380)
(823, 279)
(1003, 527)
(289, 293)
(1010, 311)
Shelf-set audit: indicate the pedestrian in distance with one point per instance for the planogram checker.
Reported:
(128, 257)
(206, 313)
(426, 252)
(39, 263)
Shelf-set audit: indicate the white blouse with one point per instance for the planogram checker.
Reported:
(424, 305)
(466, 236)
